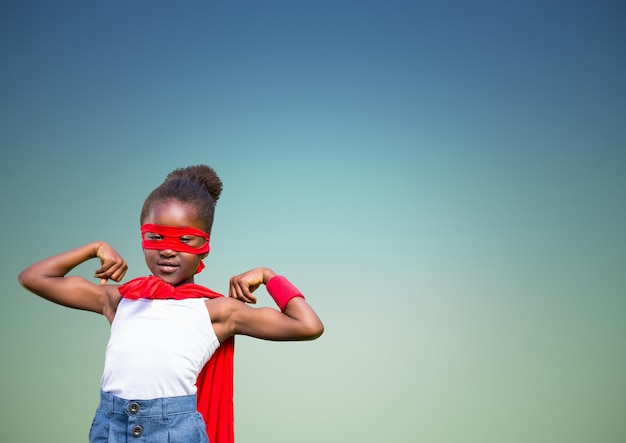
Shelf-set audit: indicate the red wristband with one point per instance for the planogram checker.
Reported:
(282, 290)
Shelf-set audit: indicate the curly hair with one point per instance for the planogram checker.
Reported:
(195, 185)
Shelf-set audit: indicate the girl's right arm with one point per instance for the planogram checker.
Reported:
(48, 279)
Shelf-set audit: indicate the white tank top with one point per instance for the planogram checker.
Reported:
(157, 348)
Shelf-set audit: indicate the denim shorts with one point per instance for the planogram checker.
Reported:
(162, 420)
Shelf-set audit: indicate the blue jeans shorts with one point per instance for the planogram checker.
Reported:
(161, 420)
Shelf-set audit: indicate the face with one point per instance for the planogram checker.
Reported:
(173, 267)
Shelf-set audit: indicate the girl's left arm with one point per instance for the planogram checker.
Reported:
(295, 321)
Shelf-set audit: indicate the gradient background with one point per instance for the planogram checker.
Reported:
(444, 180)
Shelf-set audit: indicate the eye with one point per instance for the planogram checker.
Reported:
(151, 236)
(192, 240)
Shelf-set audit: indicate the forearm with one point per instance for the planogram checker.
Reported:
(309, 325)
(292, 304)
(58, 265)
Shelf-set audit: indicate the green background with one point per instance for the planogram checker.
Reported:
(445, 181)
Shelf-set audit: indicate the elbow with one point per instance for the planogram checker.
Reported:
(313, 330)
(29, 281)
(319, 330)
(23, 279)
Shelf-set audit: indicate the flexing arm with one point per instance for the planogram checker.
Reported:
(298, 321)
(47, 278)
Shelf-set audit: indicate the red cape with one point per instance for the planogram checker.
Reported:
(215, 381)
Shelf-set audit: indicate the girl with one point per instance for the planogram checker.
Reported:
(168, 364)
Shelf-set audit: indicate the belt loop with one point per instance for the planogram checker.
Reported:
(107, 400)
(164, 409)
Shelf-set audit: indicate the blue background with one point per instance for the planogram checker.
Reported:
(444, 180)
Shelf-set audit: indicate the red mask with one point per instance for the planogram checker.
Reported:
(176, 238)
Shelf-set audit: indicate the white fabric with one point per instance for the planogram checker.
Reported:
(157, 348)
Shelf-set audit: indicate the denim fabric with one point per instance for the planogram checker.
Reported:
(162, 420)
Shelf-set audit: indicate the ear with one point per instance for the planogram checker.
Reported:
(203, 256)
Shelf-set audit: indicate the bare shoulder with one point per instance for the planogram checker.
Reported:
(221, 308)
(221, 312)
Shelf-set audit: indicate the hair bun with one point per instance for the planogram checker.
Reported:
(204, 175)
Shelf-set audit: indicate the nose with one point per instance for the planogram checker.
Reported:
(167, 252)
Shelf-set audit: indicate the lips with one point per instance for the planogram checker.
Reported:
(167, 267)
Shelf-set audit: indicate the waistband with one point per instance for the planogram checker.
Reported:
(149, 408)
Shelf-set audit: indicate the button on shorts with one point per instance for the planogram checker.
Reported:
(161, 420)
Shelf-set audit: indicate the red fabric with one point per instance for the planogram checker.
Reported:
(173, 237)
(215, 381)
(282, 290)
